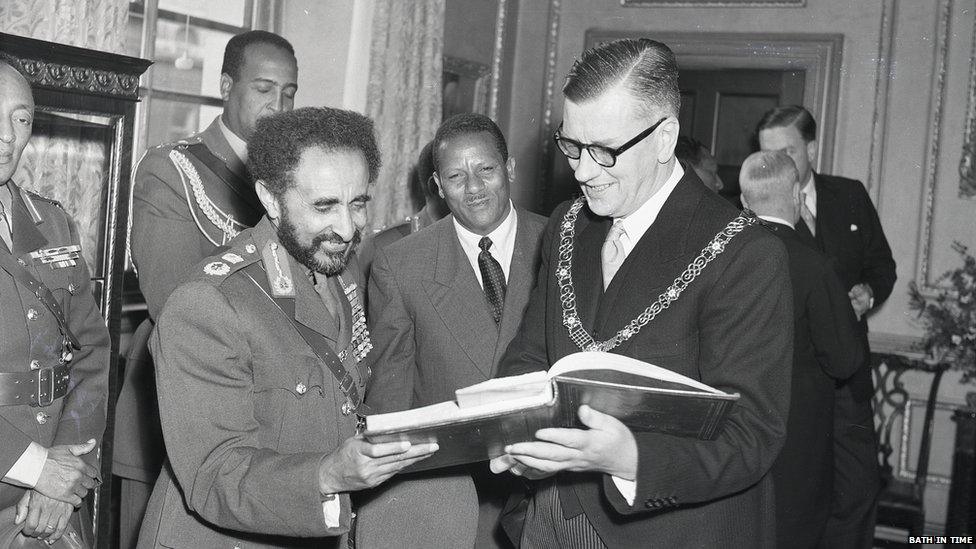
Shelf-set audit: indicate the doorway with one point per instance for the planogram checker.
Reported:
(721, 107)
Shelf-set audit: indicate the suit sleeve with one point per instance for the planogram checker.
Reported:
(527, 350)
(84, 408)
(204, 378)
(162, 229)
(393, 359)
(878, 270)
(745, 339)
(833, 327)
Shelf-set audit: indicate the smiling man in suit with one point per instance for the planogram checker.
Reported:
(608, 279)
(194, 195)
(826, 350)
(444, 304)
(839, 219)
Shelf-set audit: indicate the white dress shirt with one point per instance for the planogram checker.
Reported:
(809, 191)
(775, 219)
(635, 225)
(238, 145)
(502, 243)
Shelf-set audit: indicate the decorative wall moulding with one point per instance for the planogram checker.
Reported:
(713, 3)
(60, 76)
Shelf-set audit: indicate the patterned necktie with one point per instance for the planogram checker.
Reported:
(5, 231)
(493, 279)
(613, 252)
(807, 215)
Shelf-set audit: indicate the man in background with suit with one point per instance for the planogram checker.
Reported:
(607, 280)
(444, 304)
(188, 198)
(54, 347)
(826, 350)
(839, 219)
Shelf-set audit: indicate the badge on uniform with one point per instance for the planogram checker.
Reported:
(58, 257)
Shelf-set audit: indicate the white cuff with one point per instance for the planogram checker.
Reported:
(627, 488)
(331, 508)
(26, 471)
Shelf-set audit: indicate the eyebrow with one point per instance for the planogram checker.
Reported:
(362, 198)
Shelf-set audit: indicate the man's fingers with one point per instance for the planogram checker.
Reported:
(32, 521)
(82, 449)
(501, 463)
(22, 508)
(541, 450)
(525, 463)
(384, 449)
(59, 530)
(570, 438)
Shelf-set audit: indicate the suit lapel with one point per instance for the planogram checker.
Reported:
(26, 237)
(310, 310)
(829, 216)
(520, 278)
(458, 298)
(587, 265)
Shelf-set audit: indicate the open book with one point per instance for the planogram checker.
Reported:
(490, 415)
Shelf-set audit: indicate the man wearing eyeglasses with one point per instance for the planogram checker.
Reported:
(606, 259)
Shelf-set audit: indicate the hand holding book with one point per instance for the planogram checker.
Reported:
(606, 446)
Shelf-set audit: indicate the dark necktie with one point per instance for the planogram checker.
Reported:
(493, 279)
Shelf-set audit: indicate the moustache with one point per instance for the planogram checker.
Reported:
(333, 238)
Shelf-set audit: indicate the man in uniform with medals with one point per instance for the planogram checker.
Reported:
(54, 349)
(259, 356)
(188, 198)
(652, 265)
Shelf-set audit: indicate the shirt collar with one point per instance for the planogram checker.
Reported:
(637, 223)
(809, 191)
(238, 145)
(779, 220)
(500, 237)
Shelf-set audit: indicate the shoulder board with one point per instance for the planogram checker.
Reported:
(227, 260)
(35, 196)
(180, 143)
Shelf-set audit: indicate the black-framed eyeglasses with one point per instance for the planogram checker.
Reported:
(604, 156)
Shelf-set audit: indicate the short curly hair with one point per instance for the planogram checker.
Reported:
(467, 124)
(279, 140)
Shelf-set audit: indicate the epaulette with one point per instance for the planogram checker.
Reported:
(43, 198)
(227, 260)
(181, 143)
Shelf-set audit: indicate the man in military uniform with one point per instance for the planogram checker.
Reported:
(192, 195)
(259, 357)
(53, 343)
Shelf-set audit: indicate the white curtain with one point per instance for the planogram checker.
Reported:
(404, 98)
(94, 24)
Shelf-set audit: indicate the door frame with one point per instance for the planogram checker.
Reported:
(819, 55)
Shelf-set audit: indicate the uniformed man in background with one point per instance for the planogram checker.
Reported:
(54, 348)
(188, 198)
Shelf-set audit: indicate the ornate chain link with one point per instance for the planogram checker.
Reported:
(567, 295)
(221, 220)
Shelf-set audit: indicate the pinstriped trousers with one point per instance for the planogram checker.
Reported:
(545, 527)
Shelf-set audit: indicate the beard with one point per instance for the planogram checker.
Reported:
(310, 255)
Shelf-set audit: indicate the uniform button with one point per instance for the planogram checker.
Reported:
(301, 388)
(66, 356)
(42, 417)
(35, 364)
(22, 262)
(32, 314)
(346, 408)
(72, 288)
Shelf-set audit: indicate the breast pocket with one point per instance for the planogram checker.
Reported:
(289, 393)
(678, 355)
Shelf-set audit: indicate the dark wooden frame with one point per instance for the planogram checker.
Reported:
(71, 79)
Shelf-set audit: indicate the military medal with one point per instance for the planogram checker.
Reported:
(361, 344)
(217, 268)
(59, 256)
(232, 258)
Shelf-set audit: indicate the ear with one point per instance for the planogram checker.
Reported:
(437, 181)
(268, 200)
(812, 153)
(226, 83)
(669, 138)
(510, 169)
